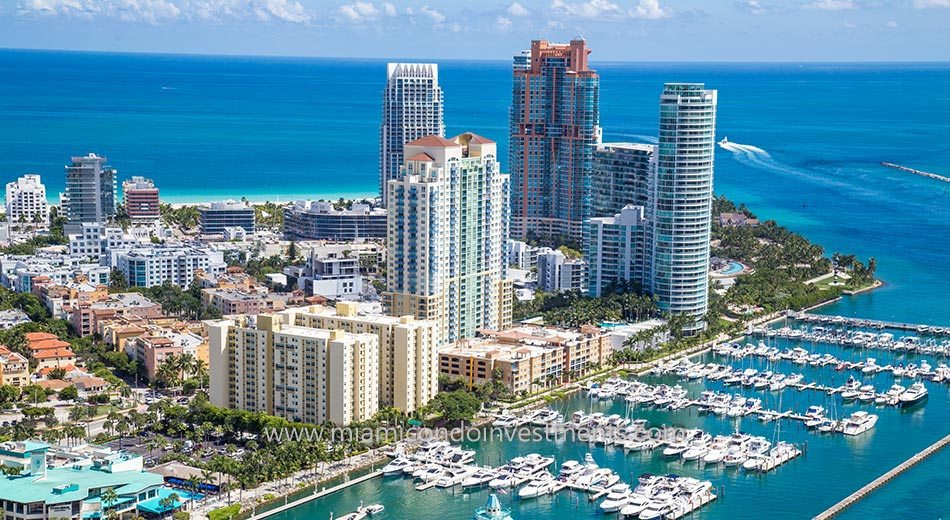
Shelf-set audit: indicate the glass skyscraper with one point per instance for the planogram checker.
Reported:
(683, 199)
(553, 125)
(412, 109)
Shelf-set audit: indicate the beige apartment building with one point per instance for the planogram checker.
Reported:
(268, 364)
(408, 371)
(529, 358)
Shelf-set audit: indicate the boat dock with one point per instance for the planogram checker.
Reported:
(317, 494)
(883, 479)
(860, 322)
(916, 172)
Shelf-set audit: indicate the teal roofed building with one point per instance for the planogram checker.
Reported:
(76, 490)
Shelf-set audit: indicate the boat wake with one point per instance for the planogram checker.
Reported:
(651, 139)
(758, 158)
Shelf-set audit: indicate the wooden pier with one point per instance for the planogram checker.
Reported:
(883, 479)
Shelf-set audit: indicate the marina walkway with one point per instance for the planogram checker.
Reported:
(854, 322)
(318, 494)
(883, 479)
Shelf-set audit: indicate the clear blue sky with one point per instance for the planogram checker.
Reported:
(627, 30)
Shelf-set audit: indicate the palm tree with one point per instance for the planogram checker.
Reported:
(108, 498)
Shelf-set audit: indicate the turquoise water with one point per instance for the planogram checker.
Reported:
(832, 467)
(268, 128)
(810, 136)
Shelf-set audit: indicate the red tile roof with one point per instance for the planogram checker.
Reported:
(48, 344)
(37, 336)
(433, 140)
(54, 353)
(422, 157)
(477, 139)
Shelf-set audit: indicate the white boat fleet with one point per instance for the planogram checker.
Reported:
(867, 324)
(654, 497)
(801, 356)
(860, 338)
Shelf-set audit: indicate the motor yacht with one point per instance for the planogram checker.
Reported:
(915, 394)
(858, 423)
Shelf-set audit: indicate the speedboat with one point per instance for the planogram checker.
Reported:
(913, 395)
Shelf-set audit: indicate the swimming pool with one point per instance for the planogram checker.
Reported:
(733, 268)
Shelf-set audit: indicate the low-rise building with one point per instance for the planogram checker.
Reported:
(14, 368)
(233, 301)
(95, 239)
(86, 317)
(332, 272)
(310, 220)
(214, 217)
(154, 347)
(12, 317)
(523, 255)
(17, 272)
(558, 273)
(73, 489)
(526, 358)
(152, 266)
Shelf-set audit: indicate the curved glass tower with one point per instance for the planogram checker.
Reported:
(683, 198)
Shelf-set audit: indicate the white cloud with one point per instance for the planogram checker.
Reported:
(434, 14)
(359, 12)
(389, 9)
(649, 10)
(927, 4)
(605, 10)
(503, 23)
(517, 9)
(832, 5)
(891, 24)
(284, 10)
(753, 6)
(139, 11)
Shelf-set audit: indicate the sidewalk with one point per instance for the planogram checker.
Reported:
(278, 488)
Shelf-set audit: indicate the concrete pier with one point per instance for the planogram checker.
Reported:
(883, 479)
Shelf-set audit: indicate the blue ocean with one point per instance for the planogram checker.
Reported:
(809, 142)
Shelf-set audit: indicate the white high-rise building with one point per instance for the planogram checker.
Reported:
(412, 109)
(617, 251)
(684, 195)
(26, 202)
(90, 190)
(447, 236)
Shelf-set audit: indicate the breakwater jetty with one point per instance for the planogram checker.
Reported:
(883, 479)
(316, 494)
(916, 172)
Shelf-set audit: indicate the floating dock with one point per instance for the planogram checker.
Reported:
(916, 172)
(860, 322)
(883, 479)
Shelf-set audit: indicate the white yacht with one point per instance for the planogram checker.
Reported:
(618, 497)
(544, 484)
(397, 466)
(506, 421)
(503, 481)
(858, 423)
(913, 395)
(481, 477)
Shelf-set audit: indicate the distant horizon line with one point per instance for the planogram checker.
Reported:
(477, 60)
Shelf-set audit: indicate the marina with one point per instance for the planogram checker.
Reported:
(801, 466)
